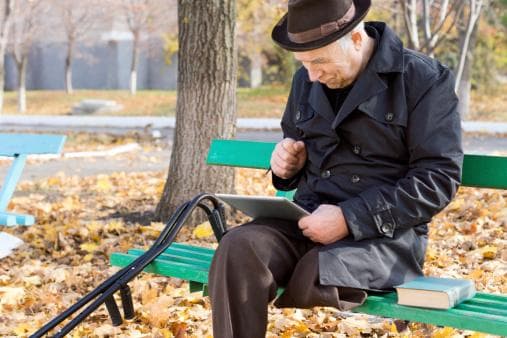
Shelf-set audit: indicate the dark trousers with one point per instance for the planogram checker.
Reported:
(251, 262)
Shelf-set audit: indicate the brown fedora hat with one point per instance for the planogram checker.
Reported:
(311, 24)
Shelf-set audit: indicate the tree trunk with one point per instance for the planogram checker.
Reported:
(465, 82)
(22, 83)
(2, 84)
(475, 12)
(133, 66)
(409, 8)
(464, 89)
(256, 70)
(5, 26)
(68, 68)
(206, 103)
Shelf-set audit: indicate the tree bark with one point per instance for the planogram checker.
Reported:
(409, 8)
(22, 83)
(464, 86)
(2, 85)
(255, 70)
(68, 67)
(206, 103)
(5, 27)
(475, 12)
(133, 66)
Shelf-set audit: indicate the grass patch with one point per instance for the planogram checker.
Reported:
(491, 105)
(45, 102)
(263, 102)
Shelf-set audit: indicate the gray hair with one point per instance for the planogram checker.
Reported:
(345, 42)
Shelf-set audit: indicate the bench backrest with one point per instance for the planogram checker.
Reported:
(481, 171)
(17, 144)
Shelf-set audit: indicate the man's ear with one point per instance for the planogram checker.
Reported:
(357, 39)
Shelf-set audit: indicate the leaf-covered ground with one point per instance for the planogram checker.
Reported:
(81, 221)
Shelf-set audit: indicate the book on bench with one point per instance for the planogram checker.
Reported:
(265, 206)
(434, 292)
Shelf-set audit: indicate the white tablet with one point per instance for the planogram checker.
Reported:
(265, 206)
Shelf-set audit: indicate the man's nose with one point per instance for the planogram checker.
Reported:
(314, 74)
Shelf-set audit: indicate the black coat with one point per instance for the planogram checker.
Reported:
(390, 158)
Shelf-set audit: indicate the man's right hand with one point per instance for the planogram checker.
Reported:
(288, 158)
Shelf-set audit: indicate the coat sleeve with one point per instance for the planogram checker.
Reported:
(434, 170)
(289, 130)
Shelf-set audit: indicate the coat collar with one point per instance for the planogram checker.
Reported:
(320, 103)
(388, 58)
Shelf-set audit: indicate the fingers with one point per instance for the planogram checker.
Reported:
(287, 144)
(288, 158)
(304, 225)
(298, 146)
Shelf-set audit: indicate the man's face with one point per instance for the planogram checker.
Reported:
(331, 65)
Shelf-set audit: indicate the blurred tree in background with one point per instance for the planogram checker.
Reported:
(457, 32)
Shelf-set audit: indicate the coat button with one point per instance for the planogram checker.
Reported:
(356, 149)
(389, 117)
(386, 227)
(298, 115)
(325, 174)
(355, 178)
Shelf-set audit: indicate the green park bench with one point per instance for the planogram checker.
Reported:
(19, 146)
(484, 313)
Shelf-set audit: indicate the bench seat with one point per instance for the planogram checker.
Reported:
(192, 263)
(484, 313)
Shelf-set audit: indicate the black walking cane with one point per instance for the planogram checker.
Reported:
(105, 291)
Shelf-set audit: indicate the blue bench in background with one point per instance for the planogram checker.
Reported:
(19, 146)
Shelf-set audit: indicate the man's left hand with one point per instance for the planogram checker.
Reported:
(325, 225)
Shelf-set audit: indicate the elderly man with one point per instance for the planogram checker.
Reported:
(372, 144)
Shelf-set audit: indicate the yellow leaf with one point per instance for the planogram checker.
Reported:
(23, 329)
(431, 254)
(445, 332)
(114, 226)
(89, 247)
(58, 275)
(477, 335)
(476, 274)
(203, 230)
(32, 280)
(393, 329)
(489, 252)
(457, 204)
(11, 296)
(166, 333)
(301, 328)
(104, 184)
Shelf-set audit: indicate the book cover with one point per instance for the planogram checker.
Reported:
(434, 292)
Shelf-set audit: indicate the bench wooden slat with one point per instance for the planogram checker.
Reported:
(11, 219)
(193, 248)
(484, 309)
(162, 267)
(12, 144)
(245, 154)
(476, 314)
(483, 171)
(205, 264)
(456, 317)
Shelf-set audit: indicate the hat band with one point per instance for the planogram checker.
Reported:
(324, 29)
